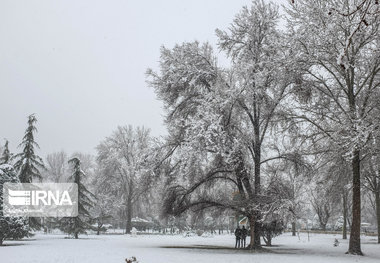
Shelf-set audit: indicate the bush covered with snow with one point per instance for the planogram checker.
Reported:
(10, 227)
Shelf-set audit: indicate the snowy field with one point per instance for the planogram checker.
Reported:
(167, 249)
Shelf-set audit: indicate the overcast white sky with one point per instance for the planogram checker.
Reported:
(80, 65)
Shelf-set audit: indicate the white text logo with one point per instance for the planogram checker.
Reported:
(40, 200)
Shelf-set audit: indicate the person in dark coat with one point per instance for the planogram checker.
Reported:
(238, 237)
(244, 233)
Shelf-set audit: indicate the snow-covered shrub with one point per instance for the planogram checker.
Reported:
(10, 227)
(270, 230)
(199, 232)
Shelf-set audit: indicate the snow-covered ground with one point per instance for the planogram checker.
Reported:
(159, 249)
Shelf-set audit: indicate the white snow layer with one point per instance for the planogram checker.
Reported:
(154, 249)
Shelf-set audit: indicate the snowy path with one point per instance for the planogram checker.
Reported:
(151, 249)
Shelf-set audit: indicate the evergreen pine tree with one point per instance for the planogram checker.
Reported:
(6, 155)
(28, 163)
(10, 227)
(78, 225)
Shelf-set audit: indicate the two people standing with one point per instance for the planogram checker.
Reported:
(240, 235)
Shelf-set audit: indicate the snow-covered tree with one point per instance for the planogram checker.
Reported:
(56, 167)
(337, 63)
(87, 164)
(324, 200)
(79, 224)
(290, 175)
(252, 42)
(27, 163)
(271, 229)
(125, 171)
(339, 174)
(10, 227)
(219, 120)
(5, 154)
(103, 210)
(188, 85)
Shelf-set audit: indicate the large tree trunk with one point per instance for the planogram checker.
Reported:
(129, 208)
(354, 245)
(76, 227)
(257, 216)
(252, 231)
(100, 225)
(252, 195)
(294, 229)
(377, 200)
(344, 227)
(257, 235)
(128, 225)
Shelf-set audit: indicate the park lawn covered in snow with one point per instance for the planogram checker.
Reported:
(166, 249)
